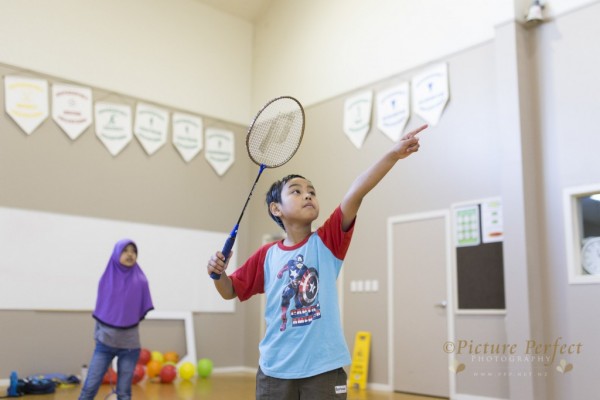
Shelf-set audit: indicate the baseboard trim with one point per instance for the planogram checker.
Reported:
(380, 387)
(473, 397)
(237, 369)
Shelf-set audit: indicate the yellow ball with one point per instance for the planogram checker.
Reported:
(157, 356)
(187, 370)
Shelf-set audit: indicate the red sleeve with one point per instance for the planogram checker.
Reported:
(248, 279)
(332, 235)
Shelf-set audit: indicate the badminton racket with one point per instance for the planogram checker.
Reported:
(272, 140)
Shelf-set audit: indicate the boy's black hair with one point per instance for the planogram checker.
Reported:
(274, 195)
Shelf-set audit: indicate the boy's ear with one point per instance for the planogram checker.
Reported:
(274, 208)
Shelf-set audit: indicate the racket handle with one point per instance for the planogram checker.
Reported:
(226, 249)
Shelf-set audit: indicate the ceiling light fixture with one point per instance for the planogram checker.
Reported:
(535, 14)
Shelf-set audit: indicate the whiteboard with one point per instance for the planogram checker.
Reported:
(54, 262)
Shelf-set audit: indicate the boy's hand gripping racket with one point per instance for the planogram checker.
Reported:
(272, 140)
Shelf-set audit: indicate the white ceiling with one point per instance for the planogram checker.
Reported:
(248, 10)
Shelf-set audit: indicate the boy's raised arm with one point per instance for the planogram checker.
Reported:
(366, 181)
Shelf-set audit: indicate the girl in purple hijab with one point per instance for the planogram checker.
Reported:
(123, 301)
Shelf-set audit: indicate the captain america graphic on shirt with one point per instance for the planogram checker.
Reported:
(303, 287)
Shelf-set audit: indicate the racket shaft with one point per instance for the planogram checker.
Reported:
(231, 239)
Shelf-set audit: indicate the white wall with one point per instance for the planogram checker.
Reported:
(178, 53)
(559, 7)
(316, 49)
(184, 54)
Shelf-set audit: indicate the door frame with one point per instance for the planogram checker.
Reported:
(399, 219)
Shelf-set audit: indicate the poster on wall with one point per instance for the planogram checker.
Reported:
(357, 117)
(393, 110)
(72, 108)
(113, 125)
(151, 127)
(187, 135)
(491, 221)
(26, 101)
(430, 93)
(466, 220)
(220, 149)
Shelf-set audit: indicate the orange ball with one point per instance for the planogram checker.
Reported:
(171, 356)
(153, 368)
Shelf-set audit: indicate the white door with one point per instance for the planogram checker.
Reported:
(419, 262)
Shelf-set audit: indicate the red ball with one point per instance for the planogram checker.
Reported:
(168, 373)
(110, 377)
(138, 373)
(144, 357)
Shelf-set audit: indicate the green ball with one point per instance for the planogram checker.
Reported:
(205, 367)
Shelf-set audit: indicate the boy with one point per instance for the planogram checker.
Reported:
(304, 351)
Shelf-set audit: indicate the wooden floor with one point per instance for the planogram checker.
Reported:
(230, 386)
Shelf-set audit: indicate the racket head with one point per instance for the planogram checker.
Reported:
(276, 132)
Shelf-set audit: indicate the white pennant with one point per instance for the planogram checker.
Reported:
(151, 127)
(430, 93)
(113, 125)
(357, 117)
(220, 149)
(26, 101)
(72, 108)
(187, 135)
(393, 110)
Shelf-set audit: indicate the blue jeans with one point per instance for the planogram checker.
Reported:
(103, 356)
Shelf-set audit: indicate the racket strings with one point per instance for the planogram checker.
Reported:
(276, 133)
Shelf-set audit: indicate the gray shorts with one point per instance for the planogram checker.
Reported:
(328, 385)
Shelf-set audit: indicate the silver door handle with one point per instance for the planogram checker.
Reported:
(441, 304)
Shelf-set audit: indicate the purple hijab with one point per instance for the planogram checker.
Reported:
(123, 293)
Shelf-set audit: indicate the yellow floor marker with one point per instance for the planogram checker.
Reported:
(360, 360)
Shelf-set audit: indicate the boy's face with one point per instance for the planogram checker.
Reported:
(298, 202)
(128, 256)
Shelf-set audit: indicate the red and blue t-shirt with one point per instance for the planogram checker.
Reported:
(304, 334)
